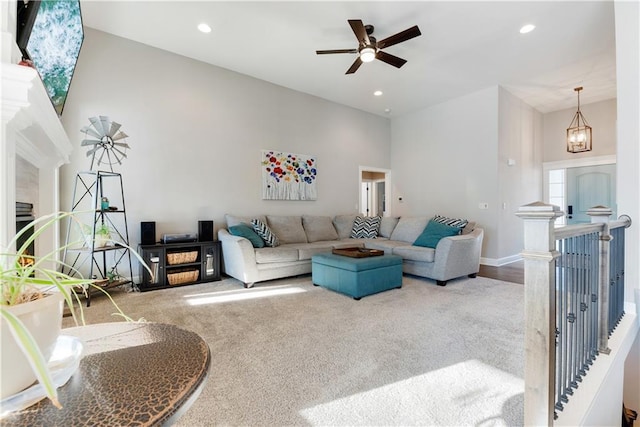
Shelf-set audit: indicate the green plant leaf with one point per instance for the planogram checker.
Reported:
(17, 279)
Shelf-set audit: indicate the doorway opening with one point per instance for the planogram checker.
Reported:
(578, 185)
(374, 191)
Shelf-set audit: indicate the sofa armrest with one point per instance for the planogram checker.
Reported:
(458, 255)
(238, 257)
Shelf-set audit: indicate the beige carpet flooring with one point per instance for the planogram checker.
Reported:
(288, 353)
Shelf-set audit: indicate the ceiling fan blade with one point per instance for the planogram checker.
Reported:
(358, 29)
(325, 52)
(106, 124)
(354, 67)
(390, 59)
(402, 36)
(87, 129)
(119, 136)
(97, 124)
(114, 128)
(89, 142)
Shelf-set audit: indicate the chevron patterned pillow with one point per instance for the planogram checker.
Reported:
(451, 222)
(366, 228)
(265, 233)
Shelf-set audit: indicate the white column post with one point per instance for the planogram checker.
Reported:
(540, 311)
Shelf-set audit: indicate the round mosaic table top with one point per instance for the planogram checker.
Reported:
(133, 374)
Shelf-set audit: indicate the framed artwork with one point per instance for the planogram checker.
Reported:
(288, 176)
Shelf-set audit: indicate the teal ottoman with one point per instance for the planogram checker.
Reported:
(356, 277)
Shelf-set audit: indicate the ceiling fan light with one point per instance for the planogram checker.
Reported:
(527, 28)
(204, 28)
(367, 54)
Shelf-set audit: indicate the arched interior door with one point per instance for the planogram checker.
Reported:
(587, 187)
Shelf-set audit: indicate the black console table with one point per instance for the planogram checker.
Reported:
(179, 264)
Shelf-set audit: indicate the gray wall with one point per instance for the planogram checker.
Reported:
(450, 158)
(601, 116)
(197, 131)
(519, 168)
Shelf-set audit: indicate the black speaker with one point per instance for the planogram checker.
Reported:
(148, 233)
(205, 231)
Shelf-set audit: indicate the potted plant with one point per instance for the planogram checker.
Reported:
(100, 238)
(29, 291)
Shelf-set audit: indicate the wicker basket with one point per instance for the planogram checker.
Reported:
(181, 277)
(182, 257)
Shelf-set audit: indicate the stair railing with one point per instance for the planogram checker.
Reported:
(574, 298)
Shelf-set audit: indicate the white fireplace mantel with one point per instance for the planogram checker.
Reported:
(26, 108)
(32, 130)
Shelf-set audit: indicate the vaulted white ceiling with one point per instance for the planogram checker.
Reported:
(464, 46)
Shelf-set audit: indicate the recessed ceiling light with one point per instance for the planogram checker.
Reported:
(527, 28)
(387, 110)
(204, 28)
(377, 93)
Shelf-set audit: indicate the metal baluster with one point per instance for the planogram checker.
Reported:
(595, 286)
(613, 264)
(613, 308)
(571, 316)
(618, 309)
(613, 268)
(621, 258)
(621, 270)
(564, 323)
(566, 264)
(581, 314)
(575, 310)
(567, 324)
(560, 354)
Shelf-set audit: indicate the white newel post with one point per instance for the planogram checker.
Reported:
(601, 215)
(540, 311)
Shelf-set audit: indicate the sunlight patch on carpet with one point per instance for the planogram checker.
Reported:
(241, 295)
(467, 393)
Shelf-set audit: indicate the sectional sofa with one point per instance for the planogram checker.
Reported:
(302, 236)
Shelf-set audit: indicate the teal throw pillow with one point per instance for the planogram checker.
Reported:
(433, 232)
(243, 230)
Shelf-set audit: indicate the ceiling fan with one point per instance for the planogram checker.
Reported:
(369, 48)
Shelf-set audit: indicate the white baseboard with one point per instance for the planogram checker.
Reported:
(499, 262)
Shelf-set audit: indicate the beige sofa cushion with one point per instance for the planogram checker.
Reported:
(344, 225)
(277, 254)
(237, 220)
(388, 246)
(387, 226)
(307, 250)
(409, 228)
(318, 228)
(288, 229)
(415, 253)
(471, 225)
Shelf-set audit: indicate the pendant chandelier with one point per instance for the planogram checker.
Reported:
(579, 132)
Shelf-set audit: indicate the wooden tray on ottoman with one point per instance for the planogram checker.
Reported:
(358, 252)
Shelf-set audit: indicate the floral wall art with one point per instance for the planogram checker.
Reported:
(288, 176)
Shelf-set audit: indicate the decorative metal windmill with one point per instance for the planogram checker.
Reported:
(106, 146)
